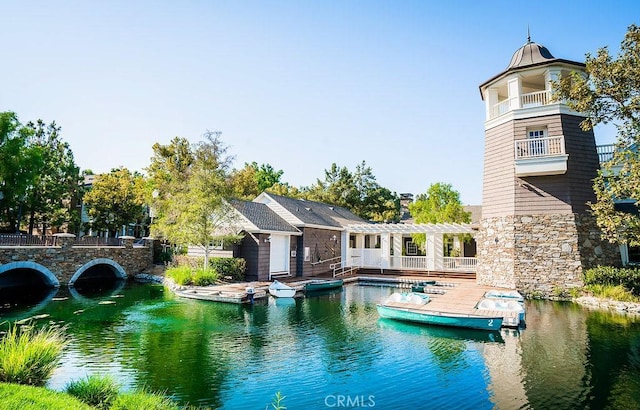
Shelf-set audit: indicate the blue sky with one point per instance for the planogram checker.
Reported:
(297, 84)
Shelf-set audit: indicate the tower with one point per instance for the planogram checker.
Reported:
(536, 233)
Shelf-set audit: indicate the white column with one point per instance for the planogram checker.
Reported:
(457, 244)
(397, 249)
(513, 87)
(385, 249)
(345, 252)
(490, 99)
(435, 252)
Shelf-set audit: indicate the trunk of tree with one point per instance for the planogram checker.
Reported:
(32, 219)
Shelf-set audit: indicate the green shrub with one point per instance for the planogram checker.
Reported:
(181, 275)
(629, 278)
(619, 293)
(97, 391)
(233, 267)
(143, 399)
(29, 356)
(203, 277)
(16, 396)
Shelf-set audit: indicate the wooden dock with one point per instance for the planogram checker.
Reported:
(448, 296)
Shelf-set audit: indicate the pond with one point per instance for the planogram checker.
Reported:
(333, 351)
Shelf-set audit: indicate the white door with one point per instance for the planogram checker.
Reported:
(279, 254)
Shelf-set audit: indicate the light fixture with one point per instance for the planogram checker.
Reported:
(333, 238)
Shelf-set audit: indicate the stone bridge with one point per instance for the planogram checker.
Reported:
(63, 260)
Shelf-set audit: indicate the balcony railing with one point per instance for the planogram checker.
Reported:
(528, 100)
(539, 147)
(605, 152)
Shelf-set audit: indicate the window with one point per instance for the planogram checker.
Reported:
(217, 244)
(537, 145)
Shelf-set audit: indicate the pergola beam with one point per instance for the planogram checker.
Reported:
(448, 228)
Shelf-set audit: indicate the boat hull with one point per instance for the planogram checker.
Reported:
(440, 319)
(323, 285)
(282, 293)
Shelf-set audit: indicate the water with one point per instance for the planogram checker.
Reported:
(332, 351)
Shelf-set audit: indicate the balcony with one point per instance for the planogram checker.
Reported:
(540, 156)
(528, 100)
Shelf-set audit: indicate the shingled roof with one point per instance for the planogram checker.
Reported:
(317, 213)
(262, 217)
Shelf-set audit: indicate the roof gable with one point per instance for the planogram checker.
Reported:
(301, 212)
(262, 217)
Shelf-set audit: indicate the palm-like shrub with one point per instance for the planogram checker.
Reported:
(96, 391)
(29, 355)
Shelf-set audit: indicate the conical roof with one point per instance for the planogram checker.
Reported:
(530, 54)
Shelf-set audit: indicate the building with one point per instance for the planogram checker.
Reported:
(536, 233)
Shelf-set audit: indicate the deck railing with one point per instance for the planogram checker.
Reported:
(409, 262)
(605, 152)
(539, 147)
(464, 264)
(18, 240)
(528, 100)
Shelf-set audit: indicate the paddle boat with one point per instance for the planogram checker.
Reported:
(413, 307)
(505, 305)
(280, 290)
(420, 287)
(505, 294)
(319, 284)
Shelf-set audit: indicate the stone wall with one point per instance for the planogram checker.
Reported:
(540, 254)
(65, 260)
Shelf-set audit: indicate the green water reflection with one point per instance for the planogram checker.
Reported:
(328, 345)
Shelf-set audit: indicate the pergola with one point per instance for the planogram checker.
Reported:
(391, 238)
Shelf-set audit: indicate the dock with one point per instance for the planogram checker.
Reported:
(448, 296)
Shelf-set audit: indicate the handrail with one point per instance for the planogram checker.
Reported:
(326, 260)
(539, 147)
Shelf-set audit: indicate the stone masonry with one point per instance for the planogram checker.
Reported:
(67, 258)
(540, 254)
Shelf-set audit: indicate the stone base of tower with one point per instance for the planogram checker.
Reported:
(540, 254)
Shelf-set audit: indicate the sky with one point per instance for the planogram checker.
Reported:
(295, 84)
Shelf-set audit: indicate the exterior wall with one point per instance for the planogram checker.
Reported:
(321, 247)
(63, 261)
(539, 254)
(566, 193)
(256, 251)
(499, 172)
(536, 234)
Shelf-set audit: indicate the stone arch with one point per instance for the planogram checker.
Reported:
(48, 276)
(115, 267)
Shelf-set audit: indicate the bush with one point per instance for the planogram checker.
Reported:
(203, 277)
(233, 267)
(143, 400)
(629, 278)
(29, 356)
(619, 293)
(16, 396)
(97, 391)
(181, 275)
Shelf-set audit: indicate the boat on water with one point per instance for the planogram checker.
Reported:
(411, 307)
(280, 290)
(420, 287)
(505, 305)
(319, 284)
(505, 294)
(440, 318)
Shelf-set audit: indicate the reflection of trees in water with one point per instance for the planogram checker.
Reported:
(345, 329)
(614, 359)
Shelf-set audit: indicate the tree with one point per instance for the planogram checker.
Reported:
(49, 198)
(440, 204)
(253, 179)
(610, 93)
(190, 185)
(358, 192)
(116, 199)
(19, 164)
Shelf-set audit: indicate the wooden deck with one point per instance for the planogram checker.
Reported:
(460, 297)
(449, 296)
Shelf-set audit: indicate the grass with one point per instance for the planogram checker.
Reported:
(96, 391)
(618, 292)
(29, 355)
(20, 397)
(185, 275)
(143, 399)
